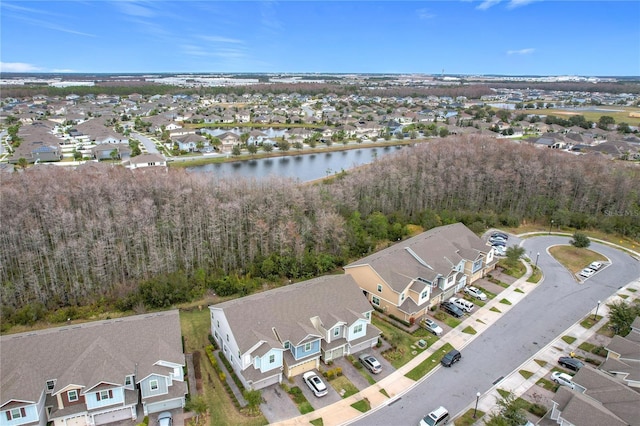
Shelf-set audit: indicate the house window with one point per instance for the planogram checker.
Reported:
(105, 394)
(16, 413)
(424, 294)
(477, 265)
(50, 384)
(153, 384)
(218, 323)
(72, 395)
(336, 332)
(272, 359)
(128, 380)
(227, 337)
(367, 315)
(357, 328)
(215, 334)
(286, 344)
(307, 347)
(375, 300)
(379, 288)
(401, 297)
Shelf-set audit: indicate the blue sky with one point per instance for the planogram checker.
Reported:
(511, 37)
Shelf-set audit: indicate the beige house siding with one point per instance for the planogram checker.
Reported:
(368, 280)
(301, 368)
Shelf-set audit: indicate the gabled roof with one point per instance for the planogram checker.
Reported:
(87, 354)
(579, 409)
(627, 349)
(288, 311)
(428, 255)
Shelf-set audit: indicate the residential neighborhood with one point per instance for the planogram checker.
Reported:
(93, 373)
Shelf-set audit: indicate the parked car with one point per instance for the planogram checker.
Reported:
(475, 292)
(431, 326)
(563, 379)
(570, 363)
(165, 419)
(451, 309)
(586, 272)
(438, 417)
(497, 240)
(465, 305)
(500, 235)
(370, 363)
(316, 384)
(595, 266)
(451, 358)
(499, 244)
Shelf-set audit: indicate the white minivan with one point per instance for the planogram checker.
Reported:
(438, 417)
(463, 304)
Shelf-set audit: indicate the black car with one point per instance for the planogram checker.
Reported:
(451, 358)
(500, 235)
(570, 363)
(452, 309)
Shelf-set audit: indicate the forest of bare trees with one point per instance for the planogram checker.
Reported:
(73, 237)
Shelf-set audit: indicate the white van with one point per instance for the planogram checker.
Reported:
(438, 417)
(463, 304)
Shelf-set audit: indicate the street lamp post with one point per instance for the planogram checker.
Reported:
(475, 410)
(596, 314)
(550, 226)
(537, 256)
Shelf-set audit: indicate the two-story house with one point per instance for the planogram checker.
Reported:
(287, 331)
(92, 373)
(406, 279)
(623, 356)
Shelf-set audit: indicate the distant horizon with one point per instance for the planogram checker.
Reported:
(456, 37)
(142, 73)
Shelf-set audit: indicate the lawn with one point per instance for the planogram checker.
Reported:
(516, 271)
(536, 276)
(343, 386)
(589, 321)
(569, 339)
(468, 418)
(363, 405)
(621, 115)
(195, 326)
(428, 364)
(405, 343)
(573, 258)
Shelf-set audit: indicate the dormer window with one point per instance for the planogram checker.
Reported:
(286, 344)
(72, 395)
(128, 380)
(105, 394)
(50, 385)
(379, 288)
(336, 332)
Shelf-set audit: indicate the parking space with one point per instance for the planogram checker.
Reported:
(317, 402)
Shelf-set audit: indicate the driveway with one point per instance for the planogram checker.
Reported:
(316, 402)
(277, 405)
(550, 308)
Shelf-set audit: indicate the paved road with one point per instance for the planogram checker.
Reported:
(148, 143)
(547, 311)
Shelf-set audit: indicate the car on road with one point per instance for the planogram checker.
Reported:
(315, 383)
(595, 266)
(451, 358)
(165, 419)
(570, 363)
(370, 363)
(586, 272)
(438, 417)
(431, 326)
(451, 309)
(563, 379)
(475, 292)
(465, 305)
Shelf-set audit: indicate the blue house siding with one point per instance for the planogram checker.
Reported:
(145, 386)
(91, 399)
(299, 351)
(265, 361)
(30, 415)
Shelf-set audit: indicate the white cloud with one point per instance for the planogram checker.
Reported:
(486, 4)
(517, 3)
(218, 39)
(526, 51)
(424, 13)
(18, 67)
(134, 8)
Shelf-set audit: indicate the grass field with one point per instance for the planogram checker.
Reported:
(573, 258)
(621, 114)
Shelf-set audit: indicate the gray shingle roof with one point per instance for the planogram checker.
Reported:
(441, 248)
(87, 354)
(290, 309)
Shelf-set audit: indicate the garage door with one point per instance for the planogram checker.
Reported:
(301, 368)
(267, 382)
(157, 407)
(76, 421)
(362, 346)
(113, 416)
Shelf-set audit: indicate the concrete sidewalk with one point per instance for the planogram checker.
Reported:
(518, 384)
(396, 384)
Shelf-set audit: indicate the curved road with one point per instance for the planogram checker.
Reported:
(552, 307)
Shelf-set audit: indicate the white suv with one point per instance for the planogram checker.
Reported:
(465, 305)
(438, 417)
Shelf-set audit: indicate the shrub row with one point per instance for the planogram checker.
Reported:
(223, 378)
